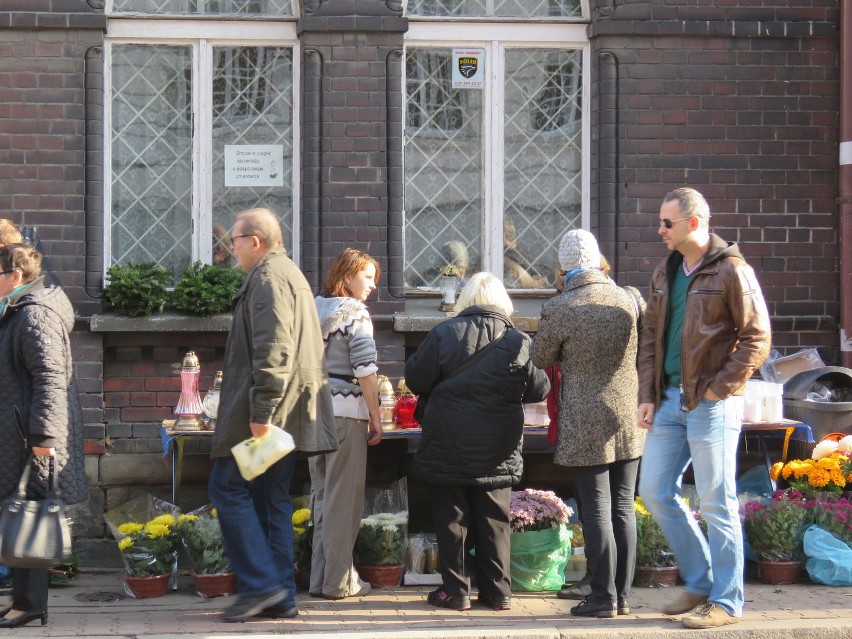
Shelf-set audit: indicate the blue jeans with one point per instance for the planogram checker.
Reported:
(708, 437)
(259, 545)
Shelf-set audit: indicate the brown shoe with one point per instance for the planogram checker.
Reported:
(708, 616)
(684, 603)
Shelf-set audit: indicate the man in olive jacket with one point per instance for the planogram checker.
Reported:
(274, 375)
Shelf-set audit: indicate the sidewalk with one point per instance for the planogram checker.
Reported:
(84, 609)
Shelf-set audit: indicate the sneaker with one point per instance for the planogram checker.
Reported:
(280, 611)
(589, 608)
(248, 606)
(708, 616)
(579, 590)
(498, 602)
(441, 599)
(623, 607)
(684, 603)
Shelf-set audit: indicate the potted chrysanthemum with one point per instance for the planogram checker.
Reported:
(540, 540)
(775, 529)
(145, 529)
(380, 548)
(655, 562)
(827, 471)
(303, 536)
(202, 537)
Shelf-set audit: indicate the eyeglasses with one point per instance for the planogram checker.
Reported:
(236, 237)
(670, 223)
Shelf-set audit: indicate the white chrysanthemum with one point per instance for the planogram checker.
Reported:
(824, 449)
(389, 528)
(845, 444)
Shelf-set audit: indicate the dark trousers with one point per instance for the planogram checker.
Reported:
(609, 526)
(29, 590)
(472, 516)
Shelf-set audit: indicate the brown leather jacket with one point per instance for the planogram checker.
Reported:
(726, 332)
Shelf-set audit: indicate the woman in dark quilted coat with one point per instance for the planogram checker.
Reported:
(36, 377)
(477, 372)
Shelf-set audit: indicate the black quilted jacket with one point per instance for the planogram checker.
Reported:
(36, 376)
(474, 420)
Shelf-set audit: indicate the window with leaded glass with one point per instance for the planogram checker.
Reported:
(176, 112)
(500, 171)
(192, 7)
(496, 8)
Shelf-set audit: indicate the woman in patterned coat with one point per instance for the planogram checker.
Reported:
(36, 378)
(591, 330)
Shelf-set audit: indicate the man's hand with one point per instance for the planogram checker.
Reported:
(258, 430)
(713, 397)
(40, 451)
(645, 416)
(375, 431)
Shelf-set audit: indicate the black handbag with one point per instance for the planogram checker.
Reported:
(34, 534)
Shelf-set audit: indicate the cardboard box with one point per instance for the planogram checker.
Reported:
(789, 365)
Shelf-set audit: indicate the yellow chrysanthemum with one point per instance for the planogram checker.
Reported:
(818, 477)
(298, 530)
(130, 528)
(182, 519)
(775, 471)
(214, 513)
(166, 520)
(639, 506)
(125, 543)
(155, 530)
(301, 516)
(836, 477)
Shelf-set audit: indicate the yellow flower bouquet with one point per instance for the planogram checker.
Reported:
(828, 470)
(303, 532)
(146, 531)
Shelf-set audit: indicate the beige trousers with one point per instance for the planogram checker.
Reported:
(337, 494)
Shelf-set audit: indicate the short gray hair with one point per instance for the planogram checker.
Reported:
(691, 202)
(484, 289)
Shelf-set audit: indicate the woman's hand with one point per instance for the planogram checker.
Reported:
(40, 451)
(374, 431)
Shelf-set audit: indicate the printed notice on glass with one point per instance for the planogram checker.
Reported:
(468, 68)
(254, 165)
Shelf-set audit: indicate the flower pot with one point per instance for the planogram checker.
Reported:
(147, 587)
(656, 576)
(381, 576)
(217, 585)
(779, 572)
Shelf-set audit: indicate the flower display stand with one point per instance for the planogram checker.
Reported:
(779, 572)
(216, 585)
(147, 587)
(656, 576)
(381, 576)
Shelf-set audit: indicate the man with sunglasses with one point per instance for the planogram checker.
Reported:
(706, 329)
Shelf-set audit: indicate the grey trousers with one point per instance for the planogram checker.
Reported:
(337, 493)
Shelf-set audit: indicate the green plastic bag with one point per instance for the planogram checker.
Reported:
(538, 558)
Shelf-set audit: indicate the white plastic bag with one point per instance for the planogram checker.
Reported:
(256, 454)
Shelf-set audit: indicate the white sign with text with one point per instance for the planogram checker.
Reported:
(254, 165)
(468, 68)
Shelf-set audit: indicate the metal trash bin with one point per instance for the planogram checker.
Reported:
(826, 417)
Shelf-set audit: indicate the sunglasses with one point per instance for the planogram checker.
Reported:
(670, 223)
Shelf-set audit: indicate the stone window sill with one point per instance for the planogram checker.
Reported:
(160, 323)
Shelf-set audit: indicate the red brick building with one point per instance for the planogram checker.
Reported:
(123, 124)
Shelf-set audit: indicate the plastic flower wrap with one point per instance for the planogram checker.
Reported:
(830, 473)
(652, 549)
(835, 516)
(147, 537)
(532, 509)
(382, 539)
(303, 533)
(775, 528)
(202, 537)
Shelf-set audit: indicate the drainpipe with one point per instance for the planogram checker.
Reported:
(845, 182)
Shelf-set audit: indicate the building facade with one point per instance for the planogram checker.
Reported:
(133, 130)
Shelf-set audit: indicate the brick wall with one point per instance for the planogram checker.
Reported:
(742, 104)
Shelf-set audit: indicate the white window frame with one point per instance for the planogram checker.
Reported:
(109, 9)
(202, 37)
(495, 38)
